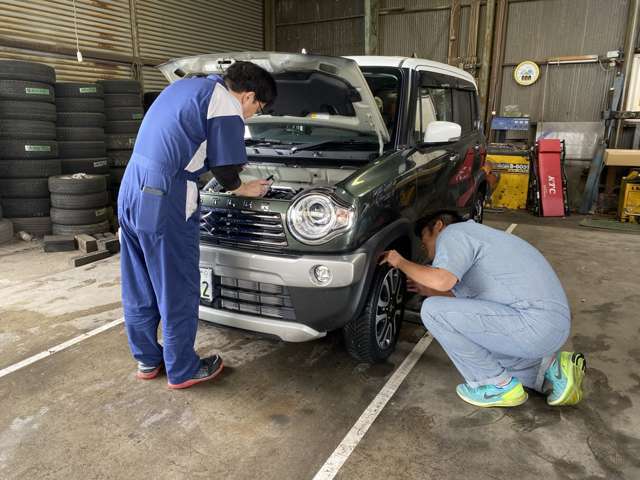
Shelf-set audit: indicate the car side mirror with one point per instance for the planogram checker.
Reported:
(442, 132)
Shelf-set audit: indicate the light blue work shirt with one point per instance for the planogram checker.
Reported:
(499, 267)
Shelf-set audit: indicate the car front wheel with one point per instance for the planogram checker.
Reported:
(372, 336)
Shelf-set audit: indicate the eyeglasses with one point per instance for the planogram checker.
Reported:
(260, 109)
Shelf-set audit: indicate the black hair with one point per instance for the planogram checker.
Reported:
(447, 217)
(249, 77)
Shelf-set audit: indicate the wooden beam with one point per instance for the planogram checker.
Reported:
(371, 13)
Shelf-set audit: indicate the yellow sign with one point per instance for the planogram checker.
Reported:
(526, 73)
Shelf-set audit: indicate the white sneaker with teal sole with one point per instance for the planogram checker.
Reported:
(511, 395)
(564, 378)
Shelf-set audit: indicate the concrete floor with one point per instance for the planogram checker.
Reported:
(279, 410)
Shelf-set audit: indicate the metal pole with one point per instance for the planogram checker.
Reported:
(486, 55)
(454, 34)
(633, 20)
(269, 25)
(495, 81)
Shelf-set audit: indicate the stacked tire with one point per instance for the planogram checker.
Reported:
(80, 128)
(124, 112)
(28, 147)
(6, 228)
(79, 204)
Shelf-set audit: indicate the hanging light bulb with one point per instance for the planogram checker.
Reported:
(75, 24)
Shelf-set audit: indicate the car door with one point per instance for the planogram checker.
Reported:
(433, 165)
(461, 182)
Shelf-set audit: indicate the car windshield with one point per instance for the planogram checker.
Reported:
(385, 86)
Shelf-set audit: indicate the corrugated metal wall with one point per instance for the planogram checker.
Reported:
(34, 30)
(328, 27)
(424, 33)
(536, 30)
(172, 28)
(540, 29)
(43, 31)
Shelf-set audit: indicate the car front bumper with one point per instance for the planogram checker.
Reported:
(287, 281)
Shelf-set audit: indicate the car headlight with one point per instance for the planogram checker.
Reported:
(316, 218)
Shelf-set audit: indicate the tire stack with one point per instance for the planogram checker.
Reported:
(79, 204)
(80, 128)
(6, 228)
(124, 112)
(28, 147)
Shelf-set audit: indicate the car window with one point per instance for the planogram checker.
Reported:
(463, 110)
(432, 104)
(384, 84)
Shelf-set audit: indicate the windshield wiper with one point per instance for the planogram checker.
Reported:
(312, 145)
(264, 141)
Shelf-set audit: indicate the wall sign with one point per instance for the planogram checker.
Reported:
(526, 73)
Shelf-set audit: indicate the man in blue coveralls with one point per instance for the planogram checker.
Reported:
(196, 124)
(498, 309)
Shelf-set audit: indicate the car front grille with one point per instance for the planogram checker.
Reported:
(235, 227)
(253, 298)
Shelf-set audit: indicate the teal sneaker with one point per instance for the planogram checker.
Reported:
(564, 379)
(511, 395)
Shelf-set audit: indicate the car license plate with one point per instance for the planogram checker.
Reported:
(206, 284)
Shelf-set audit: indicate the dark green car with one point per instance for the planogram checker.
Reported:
(357, 150)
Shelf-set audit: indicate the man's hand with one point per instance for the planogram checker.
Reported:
(255, 188)
(392, 257)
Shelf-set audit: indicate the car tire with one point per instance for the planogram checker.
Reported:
(6, 230)
(477, 208)
(91, 166)
(122, 126)
(24, 187)
(29, 168)
(15, 110)
(120, 86)
(38, 226)
(80, 119)
(25, 207)
(28, 149)
(78, 184)
(372, 336)
(32, 71)
(26, 91)
(122, 100)
(27, 129)
(124, 114)
(119, 158)
(78, 202)
(117, 174)
(80, 105)
(79, 90)
(90, 229)
(92, 149)
(78, 216)
(80, 134)
(121, 141)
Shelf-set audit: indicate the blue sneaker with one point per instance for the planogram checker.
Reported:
(564, 379)
(511, 395)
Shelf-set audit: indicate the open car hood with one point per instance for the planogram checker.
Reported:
(312, 89)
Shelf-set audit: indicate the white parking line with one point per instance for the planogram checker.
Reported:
(511, 228)
(62, 346)
(357, 432)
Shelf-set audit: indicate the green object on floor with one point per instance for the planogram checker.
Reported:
(610, 225)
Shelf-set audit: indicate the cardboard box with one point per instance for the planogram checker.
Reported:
(622, 158)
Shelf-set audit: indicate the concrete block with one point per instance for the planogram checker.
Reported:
(89, 258)
(87, 243)
(59, 243)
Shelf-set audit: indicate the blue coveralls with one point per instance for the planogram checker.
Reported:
(195, 124)
(510, 315)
